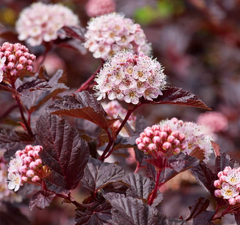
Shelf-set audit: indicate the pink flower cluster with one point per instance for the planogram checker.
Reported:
(108, 34)
(115, 110)
(14, 58)
(215, 121)
(128, 77)
(228, 185)
(40, 22)
(195, 136)
(100, 7)
(161, 139)
(26, 167)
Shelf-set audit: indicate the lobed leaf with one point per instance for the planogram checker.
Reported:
(176, 96)
(64, 152)
(224, 160)
(204, 218)
(97, 174)
(41, 199)
(81, 105)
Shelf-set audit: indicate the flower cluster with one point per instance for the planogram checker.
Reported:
(40, 22)
(14, 58)
(228, 185)
(26, 167)
(195, 136)
(100, 7)
(5, 194)
(108, 34)
(161, 139)
(128, 77)
(115, 110)
(215, 121)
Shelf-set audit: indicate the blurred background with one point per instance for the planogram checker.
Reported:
(197, 42)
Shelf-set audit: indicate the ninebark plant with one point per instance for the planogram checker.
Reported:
(58, 158)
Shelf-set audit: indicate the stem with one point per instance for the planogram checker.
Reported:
(87, 83)
(68, 198)
(152, 197)
(21, 112)
(111, 142)
(137, 167)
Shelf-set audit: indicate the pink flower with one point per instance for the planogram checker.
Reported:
(100, 7)
(122, 74)
(108, 34)
(40, 22)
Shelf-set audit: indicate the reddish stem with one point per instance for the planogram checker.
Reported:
(86, 85)
(153, 196)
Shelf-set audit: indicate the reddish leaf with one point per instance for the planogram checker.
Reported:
(64, 152)
(41, 199)
(81, 105)
(73, 32)
(224, 160)
(216, 149)
(33, 85)
(237, 217)
(176, 96)
(204, 218)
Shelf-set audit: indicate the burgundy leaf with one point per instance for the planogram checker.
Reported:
(64, 152)
(204, 218)
(34, 84)
(81, 105)
(198, 207)
(10, 215)
(125, 142)
(224, 160)
(98, 213)
(176, 96)
(41, 199)
(216, 149)
(97, 174)
(237, 217)
(73, 32)
(173, 221)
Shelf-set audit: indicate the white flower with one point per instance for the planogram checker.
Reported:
(15, 164)
(2, 63)
(233, 177)
(14, 181)
(228, 191)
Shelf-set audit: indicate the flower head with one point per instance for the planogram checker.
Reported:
(13, 59)
(108, 34)
(40, 22)
(100, 7)
(128, 77)
(115, 110)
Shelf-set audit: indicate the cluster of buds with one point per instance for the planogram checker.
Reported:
(26, 167)
(128, 77)
(5, 194)
(115, 110)
(195, 136)
(108, 34)
(100, 7)
(158, 139)
(13, 59)
(40, 22)
(214, 121)
(228, 185)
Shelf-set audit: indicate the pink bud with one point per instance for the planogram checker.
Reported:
(157, 133)
(152, 147)
(38, 162)
(19, 67)
(167, 129)
(183, 146)
(149, 132)
(12, 58)
(7, 53)
(232, 201)
(217, 183)
(175, 134)
(23, 156)
(156, 127)
(38, 148)
(29, 62)
(18, 53)
(220, 174)
(138, 140)
(156, 140)
(237, 198)
(141, 146)
(29, 147)
(181, 137)
(23, 169)
(17, 46)
(33, 165)
(13, 72)
(166, 146)
(24, 179)
(32, 57)
(238, 187)
(30, 173)
(170, 139)
(36, 179)
(174, 120)
(27, 160)
(177, 150)
(176, 142)
(35, 154)
(30, 153)
(26, 54)
(163, 135)
(217, 193)
(29, 68)
(22, 60)
(10, 65)
(223, 178)
(180, 122)
(18, 153)
(146, 140)
(226, 169)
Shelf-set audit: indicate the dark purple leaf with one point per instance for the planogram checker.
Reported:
(176, 96)
(33, 85)
(237, 217)
(10, 215)
(97, 174)
(140, 187)
(81, 105)
(222, 161)
(64, 152)
(198, 207)
(98, 213)
(132, 211)
(125, 142)
(73, 32)
(173, 221)
(204, 218)
(116, 187)
(41, 199)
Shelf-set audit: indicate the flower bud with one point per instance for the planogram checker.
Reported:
(177, 150)
(11, 58)
(237, 198)
(27, 160)
(171, 139)
(238, 187)
(19, 67)
(166, 146)
(36, 179)
(217, 183)
(22, 60)
(7, 53)
(30, 173)
(232, 201)
(29, 68)
(13, 72)
(222, 178)
(24, 179)
(33, 165)
(23, 169)
(156, 140)
(217, 193)
(152, 147)
(146, 140)
(19, 53)
(38, 162)
(10, 65)
(141, 146)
